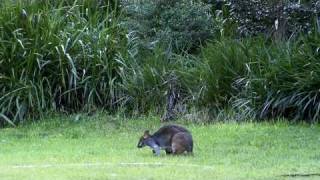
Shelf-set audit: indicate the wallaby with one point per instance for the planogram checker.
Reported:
(172, 138)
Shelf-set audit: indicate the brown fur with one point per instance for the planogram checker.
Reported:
(182, 142)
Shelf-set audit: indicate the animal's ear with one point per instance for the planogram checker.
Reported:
(146, 134)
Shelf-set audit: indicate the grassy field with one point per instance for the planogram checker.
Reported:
(104, 147)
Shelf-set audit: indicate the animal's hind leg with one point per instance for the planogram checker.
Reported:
(177, 149)
(168, 150)
(190, 153)
(190, 149)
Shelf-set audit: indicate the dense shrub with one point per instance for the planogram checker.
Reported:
(226, 61)
(177, 25)
(147, 77)
(277, 18)
(285, 81)
(280, 19)
(264, 79)
(56, 55)
(81, 55)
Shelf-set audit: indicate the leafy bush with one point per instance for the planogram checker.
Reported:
(264, 79)
(77, 55)
(56, 55)
(177, 25)
(285, 81)
(278, 18)
(226, 61)
(147, 77)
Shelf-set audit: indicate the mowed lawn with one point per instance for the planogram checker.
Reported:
(104, 147)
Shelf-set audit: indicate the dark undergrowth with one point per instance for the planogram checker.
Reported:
(72, 56)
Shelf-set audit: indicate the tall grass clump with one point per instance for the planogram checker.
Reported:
(148, 76)
(285, 81)
(225, 61)
(57, 55)
(265, 79)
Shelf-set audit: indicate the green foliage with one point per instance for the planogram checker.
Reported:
(57, 55)
(281, 19)
(285, 80)
(265, 79)
(81, 55)
(176, 25)
(146, 79)
(225, 60)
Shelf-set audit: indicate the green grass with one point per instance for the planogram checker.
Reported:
(104, 147)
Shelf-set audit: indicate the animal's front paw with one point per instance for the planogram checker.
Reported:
(156, 151)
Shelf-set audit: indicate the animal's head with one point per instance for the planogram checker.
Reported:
(145, 139)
